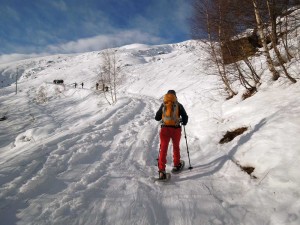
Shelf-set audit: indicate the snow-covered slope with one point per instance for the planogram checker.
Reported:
(75, 159)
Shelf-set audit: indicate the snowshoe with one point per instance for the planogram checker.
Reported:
(179, 168)
(162, 176)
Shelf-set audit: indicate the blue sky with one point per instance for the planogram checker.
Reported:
(73, 26)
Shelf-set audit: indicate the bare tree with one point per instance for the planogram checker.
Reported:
(254, 76)
(110, 74)
(283, 29)
(288, 23)
(263, 38)
(41, 95)
(208, 17)
(274, 37)
(223, 21)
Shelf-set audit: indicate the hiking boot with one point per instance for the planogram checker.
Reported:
(162, 175)
(178, 168)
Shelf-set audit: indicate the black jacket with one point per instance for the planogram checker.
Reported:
(182, 114)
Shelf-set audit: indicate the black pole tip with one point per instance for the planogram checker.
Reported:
(190, 168)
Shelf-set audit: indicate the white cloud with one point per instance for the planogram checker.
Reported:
(7, 58)
(96, 43)
(100, 42)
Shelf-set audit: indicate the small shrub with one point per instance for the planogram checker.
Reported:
(41, 96)
(249, 170)
(230, 135)
(249, 93)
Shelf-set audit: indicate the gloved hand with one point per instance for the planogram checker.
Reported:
(183, 123)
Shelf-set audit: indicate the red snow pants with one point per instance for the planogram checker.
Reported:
(167, 133)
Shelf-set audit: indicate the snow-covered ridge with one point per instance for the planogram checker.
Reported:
(132, 54)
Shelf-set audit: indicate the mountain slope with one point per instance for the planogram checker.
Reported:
(74, 159)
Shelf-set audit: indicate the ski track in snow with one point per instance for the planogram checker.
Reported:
(77, 160)
(101, 172)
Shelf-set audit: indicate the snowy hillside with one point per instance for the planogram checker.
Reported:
(74, 159)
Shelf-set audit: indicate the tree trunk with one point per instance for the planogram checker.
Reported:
(255, 76)
(220, 66)
(260, 28)
(274, 39)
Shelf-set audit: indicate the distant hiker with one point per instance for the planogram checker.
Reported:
(103, 87)
(82, 84)
(75, 84)
(171, 113)
(97, 86)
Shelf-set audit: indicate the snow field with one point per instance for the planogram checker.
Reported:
(74, 159)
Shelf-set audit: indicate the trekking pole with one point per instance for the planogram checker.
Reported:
(187, 148)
